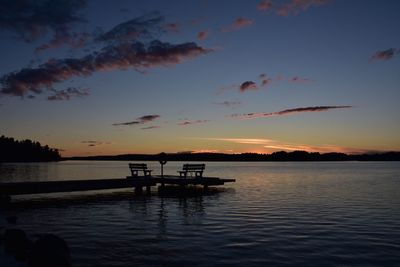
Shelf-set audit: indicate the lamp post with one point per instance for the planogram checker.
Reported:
(163, 161)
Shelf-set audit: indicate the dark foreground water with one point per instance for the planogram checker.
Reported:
(320, 214)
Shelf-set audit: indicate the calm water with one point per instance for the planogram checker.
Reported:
(323, 214)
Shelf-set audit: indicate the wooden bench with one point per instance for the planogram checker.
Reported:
(137, 167)
(197, 169)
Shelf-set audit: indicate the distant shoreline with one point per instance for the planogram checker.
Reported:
(248, 157)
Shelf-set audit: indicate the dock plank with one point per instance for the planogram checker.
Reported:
(70, 185)
(20, 188)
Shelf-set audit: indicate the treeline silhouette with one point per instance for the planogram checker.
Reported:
(276, 156)
(12, 150)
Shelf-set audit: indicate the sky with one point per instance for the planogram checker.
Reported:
(96, 77)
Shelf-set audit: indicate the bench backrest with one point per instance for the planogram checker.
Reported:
(194, 167)
(138, 166)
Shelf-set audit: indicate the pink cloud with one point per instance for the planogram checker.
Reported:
(141, 120)
(238, 24)
(134, 55)
(298, 79)
(92, 143)
(287, 112)
(248, 85)
(151, 127)
(266, 82)
(74, 40)
(295, 6)
(172, 27)
(68, 94)
(203, 35)
(385, 54)
(144, 27)
(265, 5)
(188, 122)
(242, 22)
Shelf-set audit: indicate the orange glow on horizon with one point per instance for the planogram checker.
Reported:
(212, 145)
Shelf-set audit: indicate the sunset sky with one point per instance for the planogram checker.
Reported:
(117, 77)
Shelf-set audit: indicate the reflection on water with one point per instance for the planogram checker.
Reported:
(11, 172)
(343, 213)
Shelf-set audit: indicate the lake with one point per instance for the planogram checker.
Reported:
(277, 213)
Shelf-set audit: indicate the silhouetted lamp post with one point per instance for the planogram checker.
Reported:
(163, 161)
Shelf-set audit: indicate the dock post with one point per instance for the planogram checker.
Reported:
(138, 190)
(205, 187)
(183, 187)
(148, 189)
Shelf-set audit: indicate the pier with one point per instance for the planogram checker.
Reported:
(137, 183)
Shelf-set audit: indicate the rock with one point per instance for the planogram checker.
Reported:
(16, 243)
(50, 251)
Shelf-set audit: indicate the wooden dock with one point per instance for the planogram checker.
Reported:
(21, 188)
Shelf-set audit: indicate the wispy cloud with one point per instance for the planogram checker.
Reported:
(248, 85)
(287, 112)
(238, 24)
(74, 40)
(264, 81)
(385, 54)
(134, 55)
(30, 20)
(229, 104)
(298, 79)
(140, 120)
(145, 27)
(189, 122)
(265, 5)
(203, 35)
(132, 44)
(93, 143)
(172, 27)
(151, 127)
(68, 93)
(296, 6)
(288, 7)
(242, 22)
